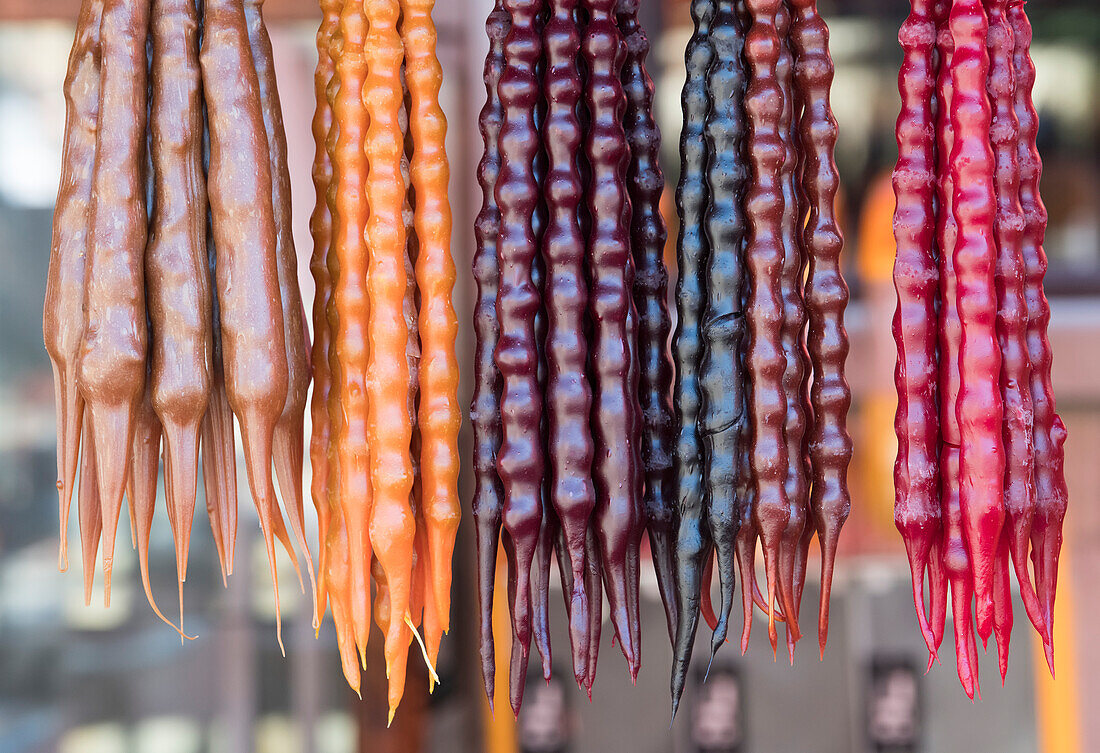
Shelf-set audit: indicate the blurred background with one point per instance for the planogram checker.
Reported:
(88, 680)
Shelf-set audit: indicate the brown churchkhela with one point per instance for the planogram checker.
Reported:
(148, 348)
(288, 438)
(826, 295)
(62, 320)
(113, 349)
(253, 344)
(177, 284)
(792, 333)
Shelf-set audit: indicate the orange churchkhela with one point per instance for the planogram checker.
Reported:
(439, 416)
(389, 425)
(385, 407)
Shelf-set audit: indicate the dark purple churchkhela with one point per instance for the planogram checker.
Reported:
(488, 500)
(617, 466)
(723, 417)
(693, 538)
(548, 526)
(520, 460)
(648, 234)
(568, 396)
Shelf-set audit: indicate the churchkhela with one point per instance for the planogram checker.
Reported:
(385, 408)
(979, 479)
(572, 408)
(165, 321)
(624, 434)
(760, 345)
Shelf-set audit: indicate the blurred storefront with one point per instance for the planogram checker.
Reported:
(89, 680)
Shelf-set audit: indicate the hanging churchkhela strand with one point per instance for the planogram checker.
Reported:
(645, 182)
(384, 447)
(158, 339)
(693, 536)
(568, 393)
(722, 416)
(760, 347)
(488, 499)
(572, 407)
(999, 464)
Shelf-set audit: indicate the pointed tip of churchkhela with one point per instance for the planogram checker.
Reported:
(88, 514)
(938, 582)
(288, 457)
(578, 628)
(677, 693)
(488, 677)
(70, 417)
(828, 560)
(786, 590)
(517, 675)
(112, 428)
(181, 458)
(918, 548)
(1048, 652)
(679, 680)
(219, 469)
(1034, 611)
(663, 553)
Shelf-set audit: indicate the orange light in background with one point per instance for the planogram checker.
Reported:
(500, 726)
(1057, 705)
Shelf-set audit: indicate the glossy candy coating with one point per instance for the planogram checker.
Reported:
(1051, 494)
(289, 435)
(1015, 377)
(826, 294)
(519, 461)
(645, 183)
(438, 415)
(917, 509)
(797, 364)
(488, 498)
(389, 425)
(113, 348)
(722, 416)
(320, 226)
(764, 254)
(568, 393)
(979, 409)
(62, 318)
(239, 187)
(617, 467)
(177, 284)
(693, 537)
